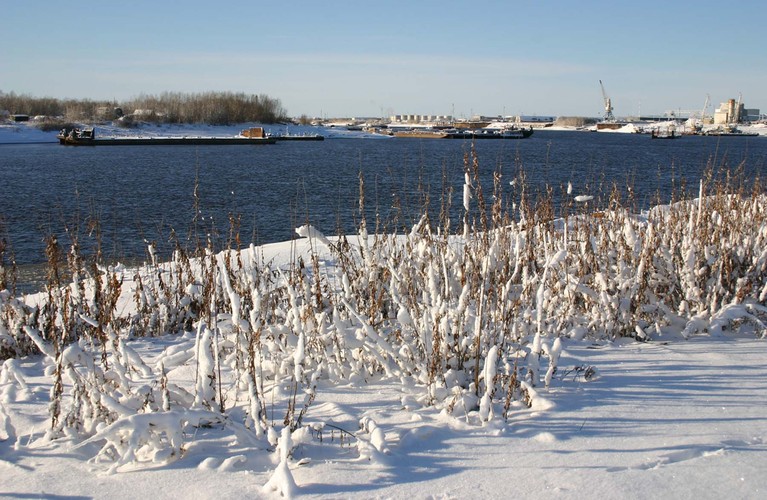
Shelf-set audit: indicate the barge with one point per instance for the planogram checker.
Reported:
(729, 131)
(421, 134)
(294, 137)
(87, 137)
(512, 133)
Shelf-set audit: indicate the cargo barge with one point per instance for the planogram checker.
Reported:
(87, 137)
(293, 137)
(514, 133)
(421, 134)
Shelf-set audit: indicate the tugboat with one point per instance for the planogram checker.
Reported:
(77, 137)
(669, 134)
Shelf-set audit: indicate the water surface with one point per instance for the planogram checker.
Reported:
(140, 193)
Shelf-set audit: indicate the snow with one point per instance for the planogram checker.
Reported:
(669, 417)
(298, 380)
(662, 127)
(24, 133)
(677, 419)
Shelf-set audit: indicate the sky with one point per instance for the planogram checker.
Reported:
(365, 58)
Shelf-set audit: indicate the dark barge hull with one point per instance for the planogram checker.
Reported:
(731, 134)
(521, 134)
(298, 137)
(167, 141)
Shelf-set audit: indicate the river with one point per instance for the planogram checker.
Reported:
(140, 193)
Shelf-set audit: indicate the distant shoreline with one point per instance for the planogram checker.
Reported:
(26, 133)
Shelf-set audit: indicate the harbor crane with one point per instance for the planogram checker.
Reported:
(736, 115)
(705, 107)
(609, 117)
(703, 111)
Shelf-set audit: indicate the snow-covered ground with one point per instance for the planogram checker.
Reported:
(665, 419)
(24, 133)
(674, 417)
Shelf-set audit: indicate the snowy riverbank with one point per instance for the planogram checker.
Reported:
(28, 133)
(412, 367)
(672, 419)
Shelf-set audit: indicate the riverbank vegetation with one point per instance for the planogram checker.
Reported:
(471, 311)
(214, 108)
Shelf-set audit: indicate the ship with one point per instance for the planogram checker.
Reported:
(87, 137)
(510, 133)
(729, 130)
(421, 134)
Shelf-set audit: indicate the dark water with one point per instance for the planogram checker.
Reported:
(140, 193)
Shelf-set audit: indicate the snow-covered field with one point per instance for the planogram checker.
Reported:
(609, 354)
(670, 419)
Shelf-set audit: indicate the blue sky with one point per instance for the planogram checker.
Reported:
(367, 58)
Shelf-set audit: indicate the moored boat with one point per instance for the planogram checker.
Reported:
(421, 134)
(512, 133)
(729, 131)
(297, 137)
(670, 134)
(610, 125)
(87, 137)
(287, 136)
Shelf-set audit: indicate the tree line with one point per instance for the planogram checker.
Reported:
(216, 108)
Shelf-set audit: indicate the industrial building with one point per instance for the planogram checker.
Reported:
(734, 111)
(420, 119)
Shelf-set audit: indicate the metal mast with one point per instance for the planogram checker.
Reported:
(609, 117)
(703, 111)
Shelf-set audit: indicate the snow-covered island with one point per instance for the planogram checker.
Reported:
(605, 354)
